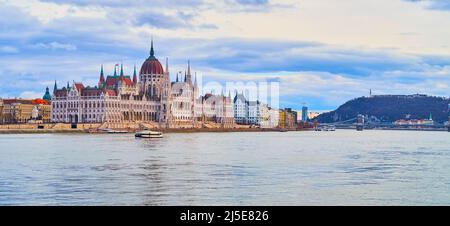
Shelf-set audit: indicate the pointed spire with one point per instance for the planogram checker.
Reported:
(189, 76)
(185, 76)
(115, 71)
(55, 87)
(68, 86)
(177, 78)
(121, 70)
(134, 75)
(189, 67)
(102, 76)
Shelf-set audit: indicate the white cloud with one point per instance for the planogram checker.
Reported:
(55, 46)
(30, 95)
(8, 49)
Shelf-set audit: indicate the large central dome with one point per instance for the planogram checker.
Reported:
(152, 65)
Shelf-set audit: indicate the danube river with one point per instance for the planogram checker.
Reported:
(271, 168)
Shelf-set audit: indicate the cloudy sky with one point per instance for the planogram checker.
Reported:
(323, 52)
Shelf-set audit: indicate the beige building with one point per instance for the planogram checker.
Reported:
(24, 111)
(287, 119)
(270, 117)
(44, 112)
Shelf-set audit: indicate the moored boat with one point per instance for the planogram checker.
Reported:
(326, 128)
(113, 131)
(148, 134)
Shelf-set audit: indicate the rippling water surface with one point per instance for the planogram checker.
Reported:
(272, 168)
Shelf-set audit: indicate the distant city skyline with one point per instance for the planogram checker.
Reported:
(323, 52)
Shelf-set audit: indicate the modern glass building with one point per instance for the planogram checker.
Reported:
(304, 113)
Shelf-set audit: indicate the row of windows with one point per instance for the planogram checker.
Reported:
(183, 117)
(110, 117)
(102, 105)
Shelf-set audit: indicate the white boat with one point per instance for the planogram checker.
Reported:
(332, 128)
(148, 134)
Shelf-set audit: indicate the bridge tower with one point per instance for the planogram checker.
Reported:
(360, 122)
(448, 126)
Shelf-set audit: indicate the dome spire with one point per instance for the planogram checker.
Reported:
(152, 66)
(152, 51)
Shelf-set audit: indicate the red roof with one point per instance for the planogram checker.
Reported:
(91, 92)
(40, 101)
(79, 86)
(12, 101)
(152, 66)
(113, 80)
(25, 101)
(95, 92)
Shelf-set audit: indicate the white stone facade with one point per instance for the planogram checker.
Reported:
(254, 113)
(240, 109)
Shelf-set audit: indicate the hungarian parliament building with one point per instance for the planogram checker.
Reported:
(148, 97)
